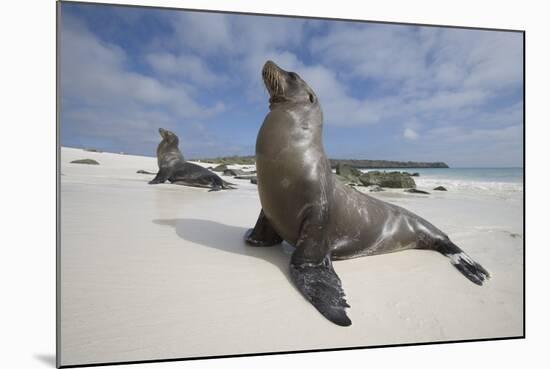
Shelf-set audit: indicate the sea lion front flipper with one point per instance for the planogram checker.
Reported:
(215, 188)
(161, 176)
(263, 234)
(321, 286)
(312, 273)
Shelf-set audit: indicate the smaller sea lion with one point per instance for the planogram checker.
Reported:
(174, 168)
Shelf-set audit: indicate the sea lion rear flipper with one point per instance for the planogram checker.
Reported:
(464, 263)
(321, 286)
(263, 233)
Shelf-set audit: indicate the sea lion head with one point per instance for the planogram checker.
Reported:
(168, 137)
(168, 147)
(286, 87)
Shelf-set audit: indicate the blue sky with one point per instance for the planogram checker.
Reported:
(390, 92)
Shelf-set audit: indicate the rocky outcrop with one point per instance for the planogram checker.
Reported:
(440, 188)
(387, 179)
(348, 174)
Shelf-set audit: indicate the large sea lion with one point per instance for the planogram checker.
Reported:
(174, 168)
(324, 219)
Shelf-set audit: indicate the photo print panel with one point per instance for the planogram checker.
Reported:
(242, 184)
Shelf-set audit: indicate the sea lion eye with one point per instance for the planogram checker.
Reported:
(293, 75)
(311, 98)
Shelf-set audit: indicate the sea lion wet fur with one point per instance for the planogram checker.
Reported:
(324, 219)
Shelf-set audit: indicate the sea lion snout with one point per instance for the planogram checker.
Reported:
(274, 79)
(167, 135)
(284, 86)
(270, 66)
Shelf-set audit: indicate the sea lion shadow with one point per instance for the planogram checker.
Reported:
(228, 238)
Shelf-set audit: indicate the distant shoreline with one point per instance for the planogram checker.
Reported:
(356, 163)
(375, 164)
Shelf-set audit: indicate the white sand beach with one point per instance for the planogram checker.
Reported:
(157, 272)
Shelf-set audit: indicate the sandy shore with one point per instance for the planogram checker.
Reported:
(156, 272)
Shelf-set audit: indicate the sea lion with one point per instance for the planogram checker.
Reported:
(174, 168)
(321, 217)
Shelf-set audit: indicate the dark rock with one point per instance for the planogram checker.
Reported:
(91, 149)
(440, 188)
(220, 168)
(387, 179)
(85, 161)
(415, 174)
(233, 172)
(375, 189)
(245, 176)
(414, 190)
(254, 180)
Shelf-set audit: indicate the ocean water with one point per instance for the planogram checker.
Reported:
(479, 179)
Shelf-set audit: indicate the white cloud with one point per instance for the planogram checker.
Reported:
(96, 73)
(410, 134)
(426, 71)
(372, 51)
(189, 67)
(103, 97)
